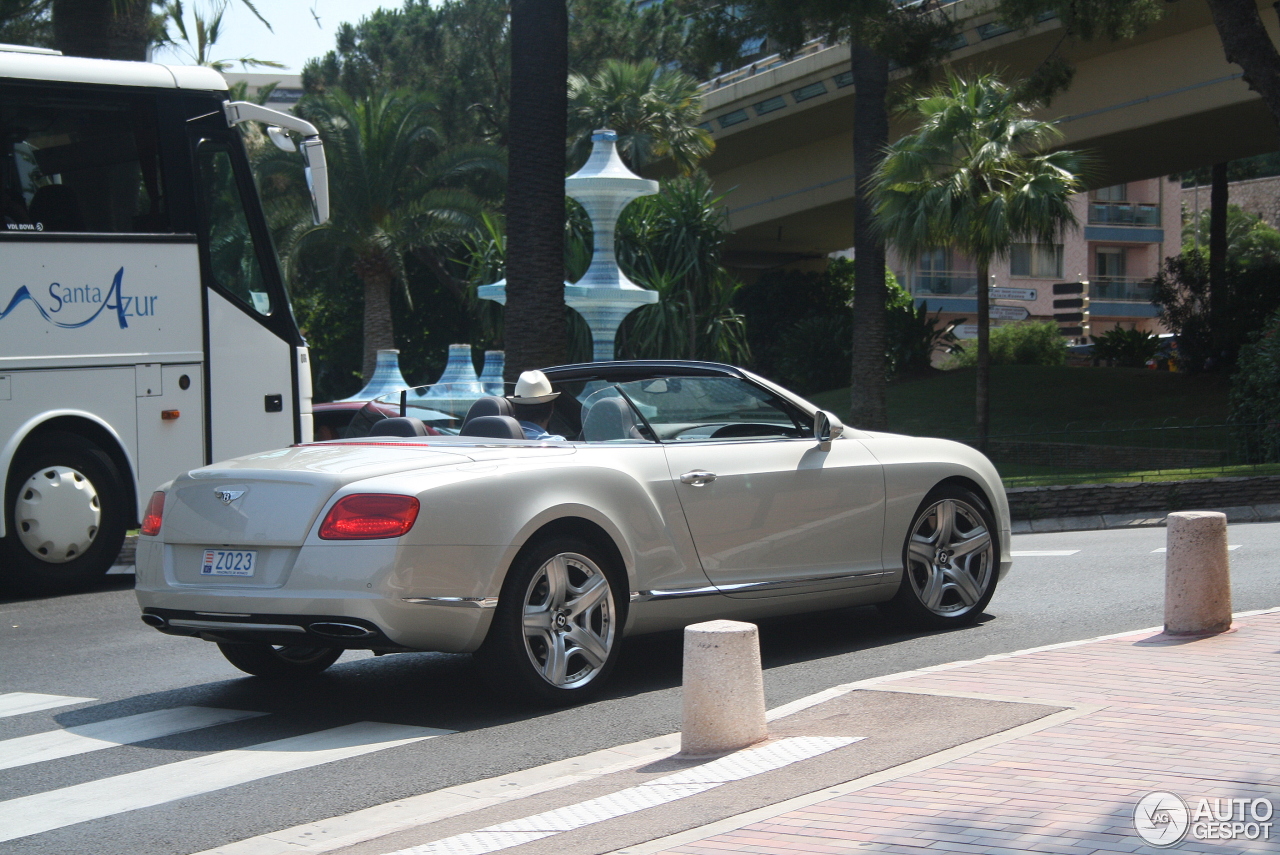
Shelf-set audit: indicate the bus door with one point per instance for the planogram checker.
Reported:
(251, 340)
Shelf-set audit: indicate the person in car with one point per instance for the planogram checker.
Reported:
(533, 403)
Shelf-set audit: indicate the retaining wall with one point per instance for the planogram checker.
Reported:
(1034, 503)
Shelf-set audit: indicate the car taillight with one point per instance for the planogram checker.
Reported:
(155, 514)
(368, 516)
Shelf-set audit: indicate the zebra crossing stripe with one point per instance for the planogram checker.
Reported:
(669, 788)
(17, 703)
(56, 744)
(42, 812)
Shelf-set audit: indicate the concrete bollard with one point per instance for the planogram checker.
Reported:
(723, 693)
(1197, 586)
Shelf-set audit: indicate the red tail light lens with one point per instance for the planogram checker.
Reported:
(369, 516)
(154, 516)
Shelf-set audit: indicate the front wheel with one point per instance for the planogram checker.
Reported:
(555, 633)
(950, 561)
(280, 661)
(65, 516)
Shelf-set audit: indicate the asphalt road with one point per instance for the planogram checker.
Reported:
(93, 646)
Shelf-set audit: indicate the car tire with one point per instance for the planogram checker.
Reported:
(558, 625)
(950, 561)
(279, 661)
(65, 516)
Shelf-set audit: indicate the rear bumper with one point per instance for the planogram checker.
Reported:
(313, 631)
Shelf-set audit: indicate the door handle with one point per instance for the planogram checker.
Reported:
(697, 478)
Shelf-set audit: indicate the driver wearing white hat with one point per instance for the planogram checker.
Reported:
(532, 402)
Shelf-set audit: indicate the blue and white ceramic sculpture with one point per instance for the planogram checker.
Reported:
(603, 296)
(385, 380)
(491, 373)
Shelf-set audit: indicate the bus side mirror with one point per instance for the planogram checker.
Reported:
(317, 173)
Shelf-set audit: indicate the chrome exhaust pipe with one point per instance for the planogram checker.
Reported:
(334, 629)
(153, 620)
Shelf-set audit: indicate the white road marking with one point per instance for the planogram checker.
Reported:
(42, 812)
(1041, 553)
(55, 744)
(670, 788)
(121, 570)
(17, 703)
(1232, 548)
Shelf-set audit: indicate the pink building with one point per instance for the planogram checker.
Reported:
(1125, 233)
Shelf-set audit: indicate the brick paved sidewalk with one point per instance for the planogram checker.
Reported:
(1200, 719)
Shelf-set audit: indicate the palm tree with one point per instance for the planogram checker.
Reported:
(394, 190)
(971, 178)
(535, 331)
(655, 110)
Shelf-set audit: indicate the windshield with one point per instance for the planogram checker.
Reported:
(657, 409)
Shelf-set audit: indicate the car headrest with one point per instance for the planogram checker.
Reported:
(489, 406)
(498, 427)
(399, 426)
(609, 418)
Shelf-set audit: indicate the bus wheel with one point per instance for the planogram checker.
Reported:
(65, 516)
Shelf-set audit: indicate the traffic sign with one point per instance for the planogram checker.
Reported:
(1008, 313)
(1028, 294)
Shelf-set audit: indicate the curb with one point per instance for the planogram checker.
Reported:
(1148, 519)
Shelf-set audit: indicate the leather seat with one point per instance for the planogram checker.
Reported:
(491, 405)
(399, 426)
(497, 427)
(609, 419)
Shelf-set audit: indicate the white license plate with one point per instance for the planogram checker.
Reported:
(228, 562)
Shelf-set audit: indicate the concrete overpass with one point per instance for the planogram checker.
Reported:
(1164, 102)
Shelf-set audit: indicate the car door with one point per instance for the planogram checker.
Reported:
(781, 516)
(770, 509)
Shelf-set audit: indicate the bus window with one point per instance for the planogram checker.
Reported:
(75, 164)
(233, 258)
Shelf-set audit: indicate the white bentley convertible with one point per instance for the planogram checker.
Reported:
(683, 491)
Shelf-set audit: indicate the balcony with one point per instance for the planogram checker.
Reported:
(1120, 288)
(944, 283)
(1124, 214)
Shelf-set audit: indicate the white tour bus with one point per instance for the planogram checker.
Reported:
(144, 326)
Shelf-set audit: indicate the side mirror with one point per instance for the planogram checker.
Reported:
(827, 426)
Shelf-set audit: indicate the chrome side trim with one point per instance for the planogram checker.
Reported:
(226, 624)
(456, 602)
(680, 593)
(648, 596)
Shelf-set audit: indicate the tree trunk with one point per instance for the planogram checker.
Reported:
(536, 330)
(870, 136)
(378, 332)
(102, 29)
(982, 396)
(1217, 258)
(1246, 43)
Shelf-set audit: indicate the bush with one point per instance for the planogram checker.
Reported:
(1127, 348)
(1255, 396)
(1019, 344)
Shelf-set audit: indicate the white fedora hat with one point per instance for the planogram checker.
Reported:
(533, 387)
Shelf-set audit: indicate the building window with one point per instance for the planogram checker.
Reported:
(1114, 193)
(1037, 260)
(1109, 262)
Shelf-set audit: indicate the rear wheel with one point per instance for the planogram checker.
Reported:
(556, 631)
(279, 660)
(950, 561)
(65, 516)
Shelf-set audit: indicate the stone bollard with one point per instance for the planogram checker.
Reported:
(1197, 586)
(723, 691)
